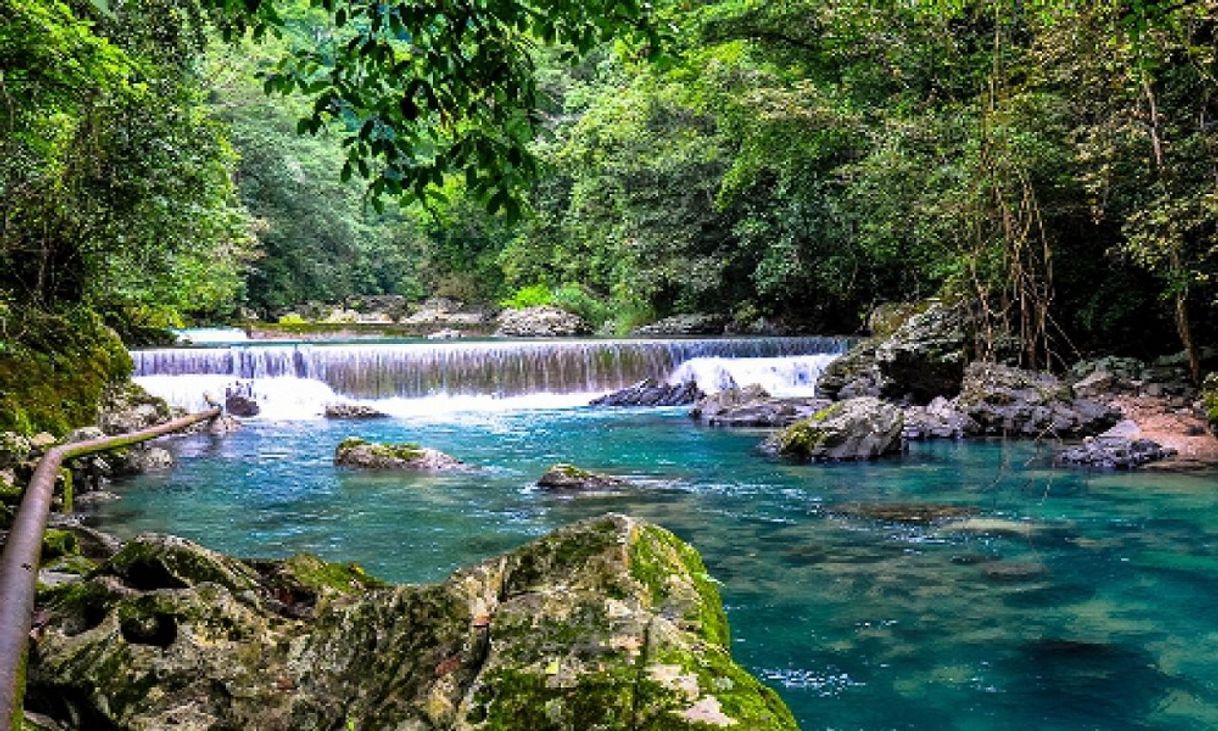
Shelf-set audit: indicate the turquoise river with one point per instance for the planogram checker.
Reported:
(1066, 600)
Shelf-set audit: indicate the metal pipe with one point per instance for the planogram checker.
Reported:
(22, 552)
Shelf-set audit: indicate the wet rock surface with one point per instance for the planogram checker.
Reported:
(1002, 400)
(541, 322)
(857, 429)
(347, 410)
(362, 454)
(570, 477)
(650, 392)
(752, 406)
(611, 623)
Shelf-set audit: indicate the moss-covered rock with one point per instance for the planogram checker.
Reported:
(357, 452)
(857, 429)
(569, 477)
(53, 376)
(611, 623)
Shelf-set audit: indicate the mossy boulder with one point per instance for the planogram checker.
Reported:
(569, 477)
(360, 453)
(611, 623)
(857, 429)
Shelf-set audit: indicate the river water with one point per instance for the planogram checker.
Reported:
(1066, 599)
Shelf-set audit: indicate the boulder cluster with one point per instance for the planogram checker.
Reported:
(916, 380)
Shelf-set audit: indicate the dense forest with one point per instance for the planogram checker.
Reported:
(177, 161)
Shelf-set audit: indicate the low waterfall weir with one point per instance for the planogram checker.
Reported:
(301, 376)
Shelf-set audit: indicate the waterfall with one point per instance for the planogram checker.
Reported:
(300, 374)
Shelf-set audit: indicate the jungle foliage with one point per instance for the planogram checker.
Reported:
(797, 162)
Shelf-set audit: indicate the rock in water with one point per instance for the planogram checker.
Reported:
(345, 410)
(570, 477)
(356, 452)
(541, 322)
(1120, 448)
(857, 429)
(753, 406)
(1002, 400)
(651, 393)
(611, 623)
(239, 401)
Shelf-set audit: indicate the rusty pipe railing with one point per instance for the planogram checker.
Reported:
(22, 552)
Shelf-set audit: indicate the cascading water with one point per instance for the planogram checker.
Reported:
(298, 379)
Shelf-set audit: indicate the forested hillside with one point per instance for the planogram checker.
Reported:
(790, 163)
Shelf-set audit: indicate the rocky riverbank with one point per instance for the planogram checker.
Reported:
(610, 623)
(919, 380)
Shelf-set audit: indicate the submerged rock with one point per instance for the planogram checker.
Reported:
(541, 322)
(913, 513)
(753, 406)
(858, 429)
(649, 392)
(357, 452)
(570, 477)
(1002, 400)
(611, 623)
(347, 410)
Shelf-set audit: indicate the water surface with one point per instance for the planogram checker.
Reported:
(1082, 601)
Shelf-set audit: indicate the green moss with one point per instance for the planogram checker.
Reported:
(57, 543)
(653, 554)
(310, 572)
(407, 451)
(54, 375)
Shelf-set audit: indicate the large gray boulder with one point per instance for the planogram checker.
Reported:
(541, 322)
(752, 405)
(923, 359)
(1007, 401)
(857, 429)
(612, 623)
